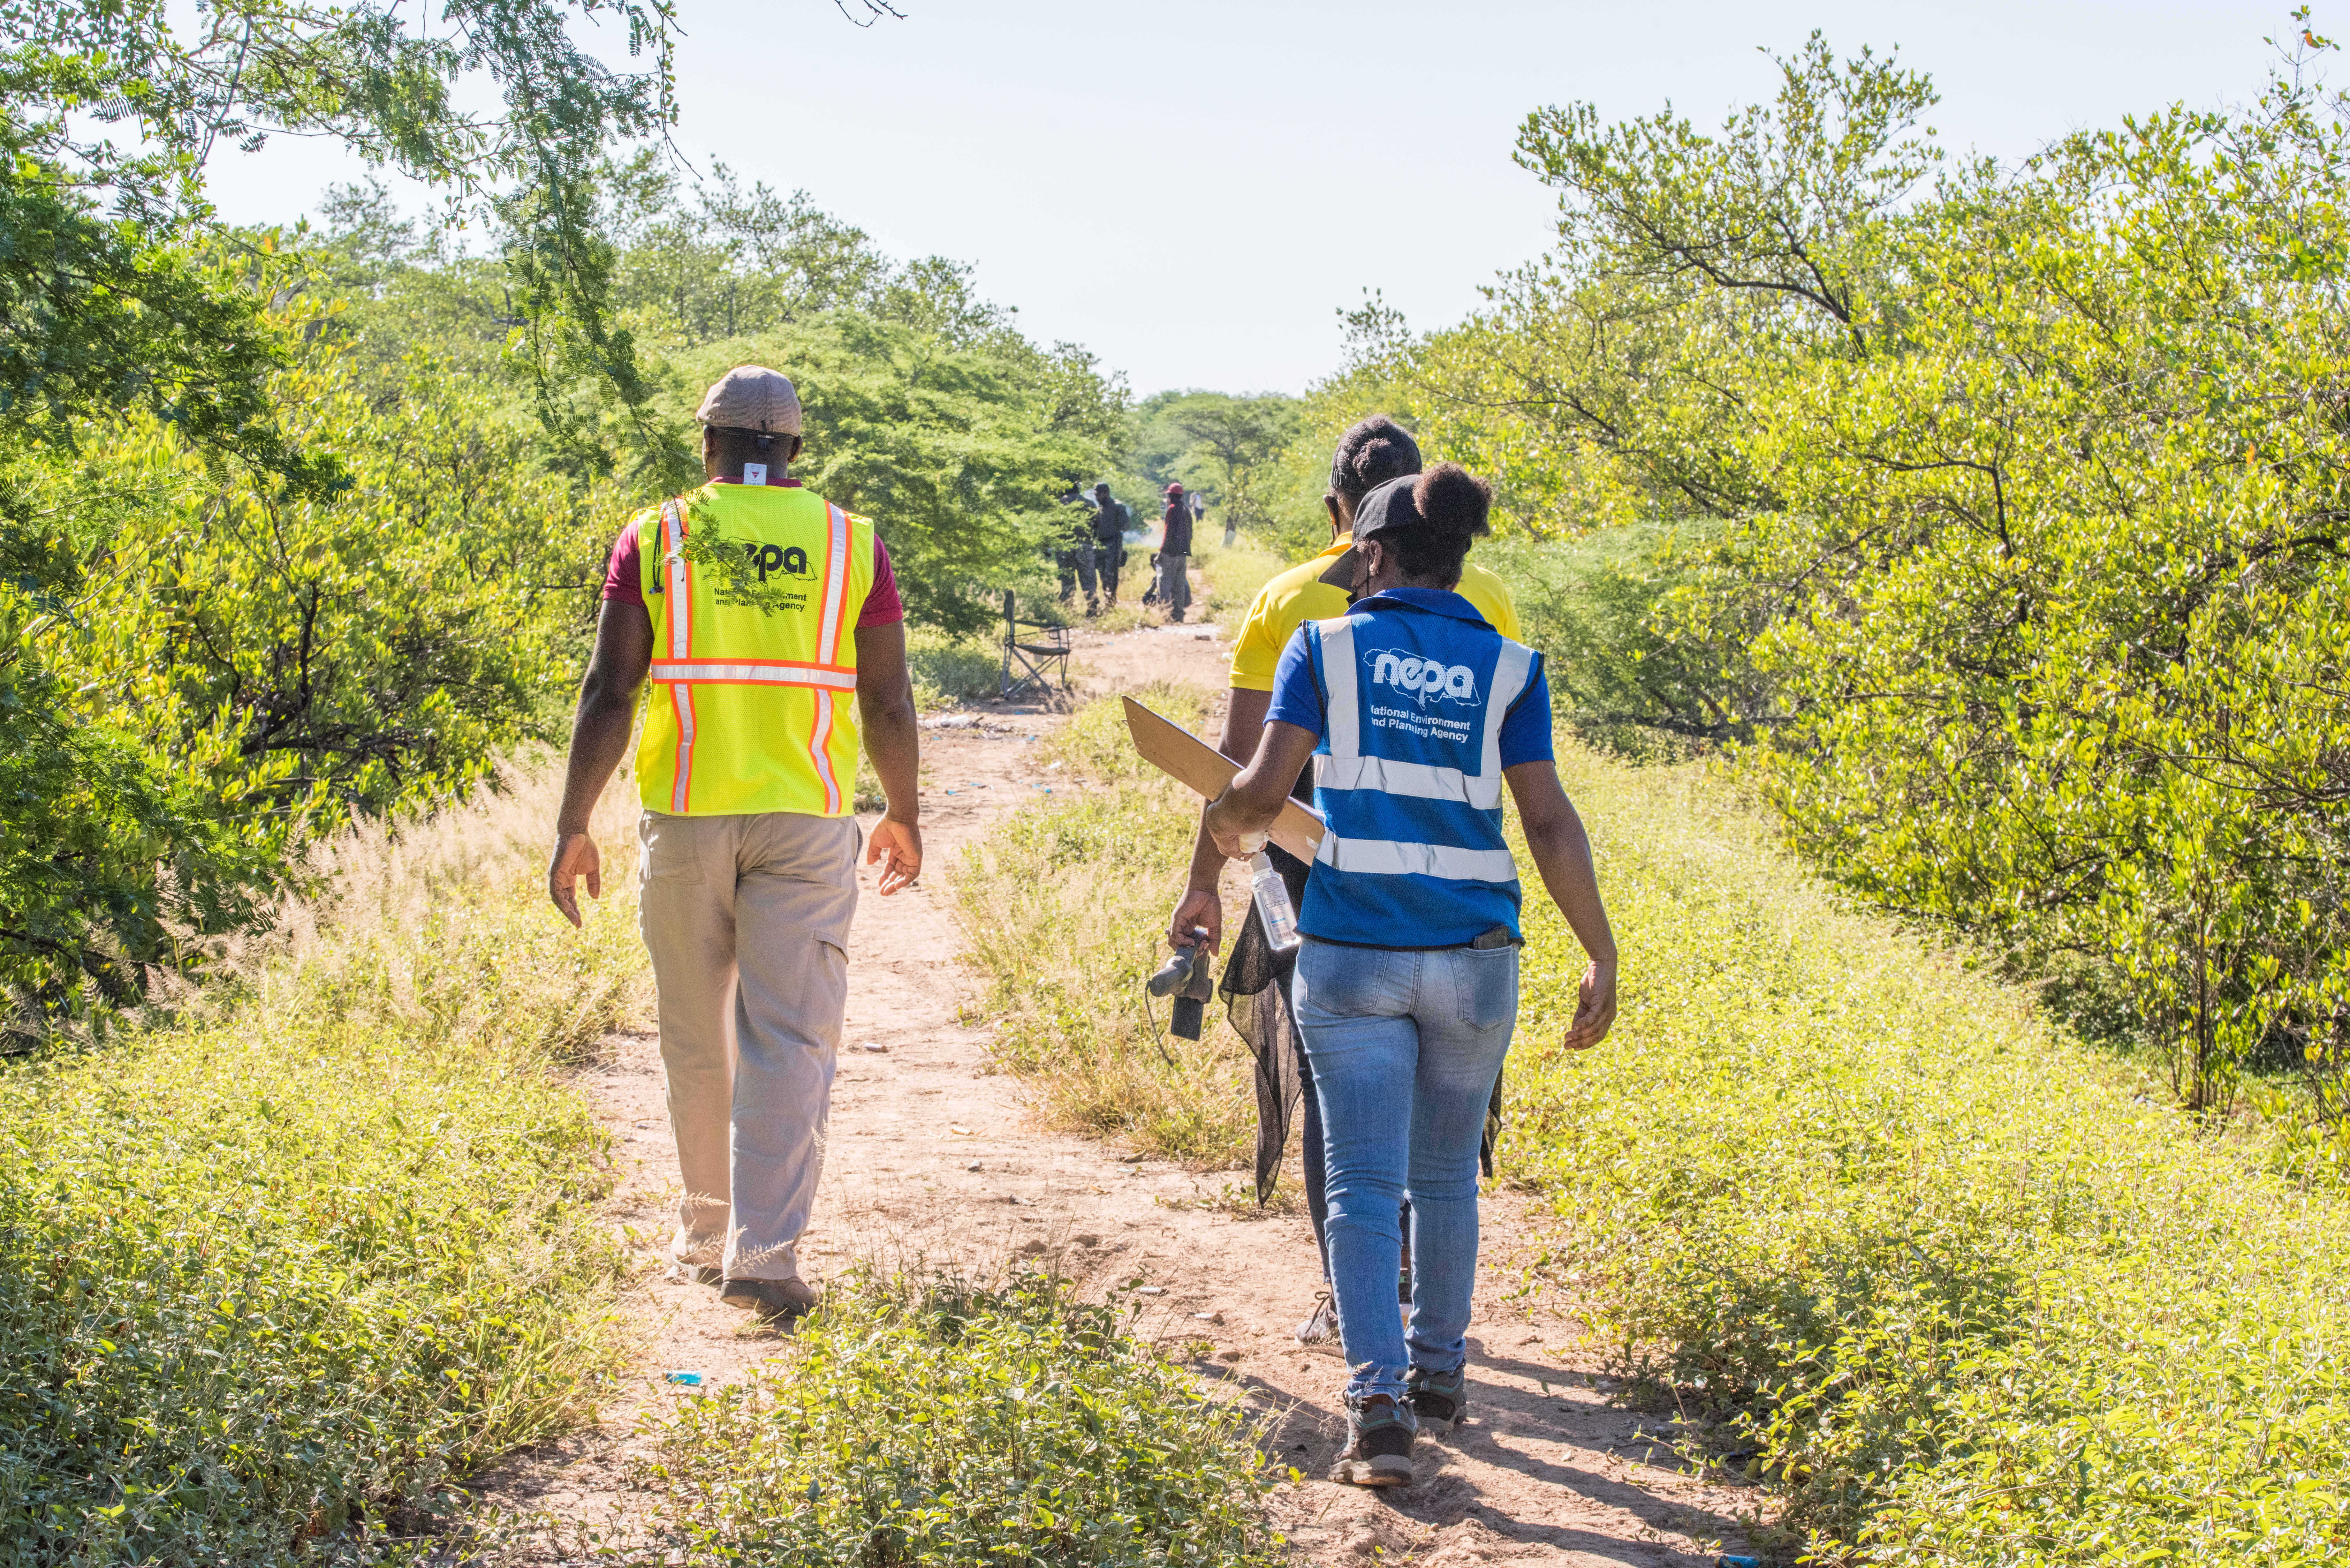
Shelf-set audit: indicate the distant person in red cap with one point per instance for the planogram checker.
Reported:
(1174, 591)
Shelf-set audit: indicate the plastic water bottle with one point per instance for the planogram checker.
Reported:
(1272, 894)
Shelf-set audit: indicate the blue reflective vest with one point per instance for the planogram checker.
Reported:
(1407, 775)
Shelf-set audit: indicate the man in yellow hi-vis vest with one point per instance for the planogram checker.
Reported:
(758, 610)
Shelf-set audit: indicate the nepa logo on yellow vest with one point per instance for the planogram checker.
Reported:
(751, 573)
(777, 560)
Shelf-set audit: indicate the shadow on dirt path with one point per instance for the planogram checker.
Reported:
(934, 1160)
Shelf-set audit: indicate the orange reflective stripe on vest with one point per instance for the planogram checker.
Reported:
(750, 719)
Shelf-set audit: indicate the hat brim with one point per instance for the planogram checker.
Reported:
(1340, 573)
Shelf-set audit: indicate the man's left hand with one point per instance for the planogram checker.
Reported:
(901, 843)
(575, 858)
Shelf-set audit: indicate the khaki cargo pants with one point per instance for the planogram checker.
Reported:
(747, 919)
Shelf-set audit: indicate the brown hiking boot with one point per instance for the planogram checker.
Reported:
(1379, 1443)
(774, 1300)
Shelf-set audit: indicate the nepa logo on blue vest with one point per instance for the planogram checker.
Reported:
(1421, 678)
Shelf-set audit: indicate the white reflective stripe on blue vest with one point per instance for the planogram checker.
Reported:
(1510, 675)
(1387, 857)
(1391, 777)
(1345, 712)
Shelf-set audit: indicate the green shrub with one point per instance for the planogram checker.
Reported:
(1973, 1296)
(948, 668)
(290, 1262)
(940, 1423)
(1625, 669)
(2031, 566)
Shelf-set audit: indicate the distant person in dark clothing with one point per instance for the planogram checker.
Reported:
(1111, 520)
(1175, 555)
(1075, 554)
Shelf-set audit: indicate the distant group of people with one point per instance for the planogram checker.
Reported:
(1089, 556)
(1384, 677)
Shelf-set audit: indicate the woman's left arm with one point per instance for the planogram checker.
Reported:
(1562, 853)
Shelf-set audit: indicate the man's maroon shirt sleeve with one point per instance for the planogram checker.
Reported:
(624, 579)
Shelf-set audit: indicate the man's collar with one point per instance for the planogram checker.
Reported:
(1437, 601)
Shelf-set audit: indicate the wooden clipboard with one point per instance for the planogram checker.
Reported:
(1200, 767)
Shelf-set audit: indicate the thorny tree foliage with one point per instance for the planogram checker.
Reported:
(127, 312)
(2010, 506)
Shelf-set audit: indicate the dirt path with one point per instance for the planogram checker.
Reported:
(933, 1158)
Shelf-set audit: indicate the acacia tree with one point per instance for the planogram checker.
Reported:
(123, 300)
(1224, 445)
(2029, 490)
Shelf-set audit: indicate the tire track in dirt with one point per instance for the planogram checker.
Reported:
(935, 1159)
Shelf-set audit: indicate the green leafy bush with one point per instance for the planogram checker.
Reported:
(939, 1423)
(273, 1272)
(235, 666)
(947, 668)
(1973, 1296)
(1605, 608)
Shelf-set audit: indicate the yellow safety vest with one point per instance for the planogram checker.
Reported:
(753, 703)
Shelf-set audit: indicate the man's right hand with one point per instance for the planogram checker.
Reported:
(575, 856)
(1200, 907)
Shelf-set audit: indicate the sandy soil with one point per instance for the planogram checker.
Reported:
(933, 1158)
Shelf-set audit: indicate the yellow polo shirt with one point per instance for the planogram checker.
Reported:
(1299, 594)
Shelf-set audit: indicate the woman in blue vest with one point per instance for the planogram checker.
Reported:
(1417, 714)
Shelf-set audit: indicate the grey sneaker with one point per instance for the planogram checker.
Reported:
(1439, 1398)
(1321, 1325)
(774, 1300)
(1379, 1443)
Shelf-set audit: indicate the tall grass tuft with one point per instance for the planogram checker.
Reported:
(935, 1422)
(1064, 910)
(1233, 576)
(273, 1272)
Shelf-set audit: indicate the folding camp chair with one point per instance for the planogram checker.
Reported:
(1046, 647)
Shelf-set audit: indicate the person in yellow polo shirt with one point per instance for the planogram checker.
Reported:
(1373, 451)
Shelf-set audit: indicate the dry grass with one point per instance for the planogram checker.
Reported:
(1062, 908)
(1233, 577)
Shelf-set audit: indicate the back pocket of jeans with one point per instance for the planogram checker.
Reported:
(1348, 981)
(1485, 986)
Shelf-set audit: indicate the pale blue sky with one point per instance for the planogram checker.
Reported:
(1192, 190)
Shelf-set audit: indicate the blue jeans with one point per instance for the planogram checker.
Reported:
(1406, 1046)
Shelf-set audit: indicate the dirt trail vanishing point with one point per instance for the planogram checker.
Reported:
(933, 1159)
